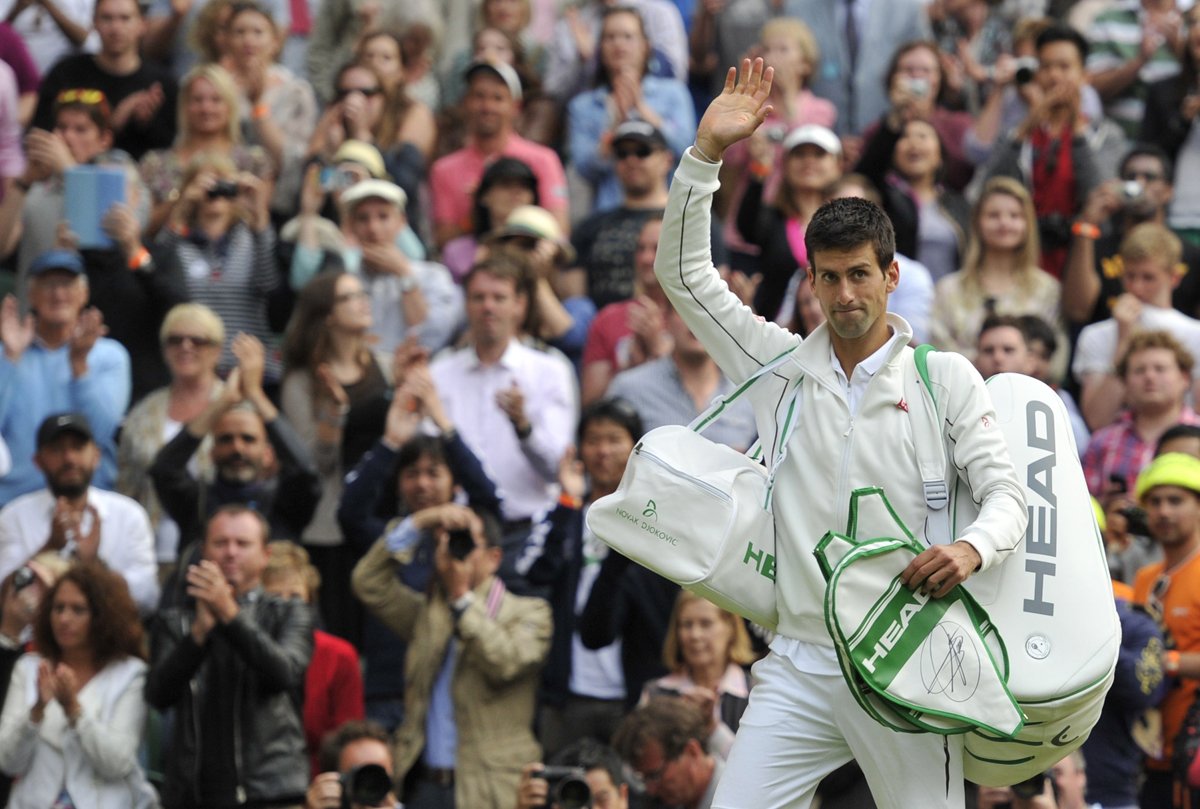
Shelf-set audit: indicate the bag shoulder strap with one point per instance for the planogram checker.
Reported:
(717, 408)
(926, 427)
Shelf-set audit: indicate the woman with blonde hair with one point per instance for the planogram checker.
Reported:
(707, 650)
(999, 273)
(191, 337)
(220, 232)
(208, 124)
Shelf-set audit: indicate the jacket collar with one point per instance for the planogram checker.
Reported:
(812, 357)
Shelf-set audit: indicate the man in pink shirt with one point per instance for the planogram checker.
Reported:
(492, 105)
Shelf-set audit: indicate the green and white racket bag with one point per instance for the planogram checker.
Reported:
(915, 663)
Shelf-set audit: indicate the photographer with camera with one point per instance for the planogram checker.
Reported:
(1061, 150)
(356, 769)
(1094, 274)
(471, 670)
(585, 775)
(219, 229)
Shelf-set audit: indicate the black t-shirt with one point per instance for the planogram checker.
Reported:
(606, 243)
(1186, 297)
(81, 71)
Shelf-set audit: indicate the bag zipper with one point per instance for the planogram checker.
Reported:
(701, 484)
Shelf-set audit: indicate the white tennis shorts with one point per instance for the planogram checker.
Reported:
(799, 727)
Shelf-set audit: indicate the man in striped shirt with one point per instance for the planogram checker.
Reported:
(1134, 43)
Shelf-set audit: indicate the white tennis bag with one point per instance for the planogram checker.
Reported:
(1051, 601)
(699, 513)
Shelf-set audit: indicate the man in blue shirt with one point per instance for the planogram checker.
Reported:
(56, 360)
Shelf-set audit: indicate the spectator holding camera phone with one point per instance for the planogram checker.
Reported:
(471, 671)
(355, 769)
(220, 233)
(1061, 150)
(916, 88)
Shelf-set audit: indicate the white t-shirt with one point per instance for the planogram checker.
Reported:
(1095, 352)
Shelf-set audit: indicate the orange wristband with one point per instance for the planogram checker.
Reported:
(1085, 229)
(139, 259)
(260, 111)
(568, 501)
(1171, 662)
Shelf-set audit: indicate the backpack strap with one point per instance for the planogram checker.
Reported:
(929, 444)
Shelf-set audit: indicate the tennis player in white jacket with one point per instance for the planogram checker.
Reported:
(854, 431)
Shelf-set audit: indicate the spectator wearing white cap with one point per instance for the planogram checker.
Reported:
(808, 163)
(316, 226)
(492, 106)
(408, 296)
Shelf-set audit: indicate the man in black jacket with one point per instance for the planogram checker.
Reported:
(250, 437)
(232, 664)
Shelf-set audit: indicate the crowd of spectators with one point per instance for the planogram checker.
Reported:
(325, 321)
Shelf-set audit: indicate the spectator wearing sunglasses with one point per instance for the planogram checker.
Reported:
(191, 338)
(141, 93)
(365, 109)
(1169, 489)
(606, 241)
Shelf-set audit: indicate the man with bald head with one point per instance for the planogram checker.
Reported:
(260, 461)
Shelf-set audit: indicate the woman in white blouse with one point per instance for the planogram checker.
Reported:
(74, 713)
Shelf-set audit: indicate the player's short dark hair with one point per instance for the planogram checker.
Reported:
(846, 224)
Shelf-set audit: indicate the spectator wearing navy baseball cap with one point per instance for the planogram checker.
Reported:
(56, 359)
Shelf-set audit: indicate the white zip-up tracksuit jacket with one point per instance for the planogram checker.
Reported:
(832, 454)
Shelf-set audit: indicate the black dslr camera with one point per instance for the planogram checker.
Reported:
(223, 188)
(365, 785)
(568, 787)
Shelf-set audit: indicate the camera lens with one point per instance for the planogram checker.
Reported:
(461, 544)
(366, 785)
(573, 793)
